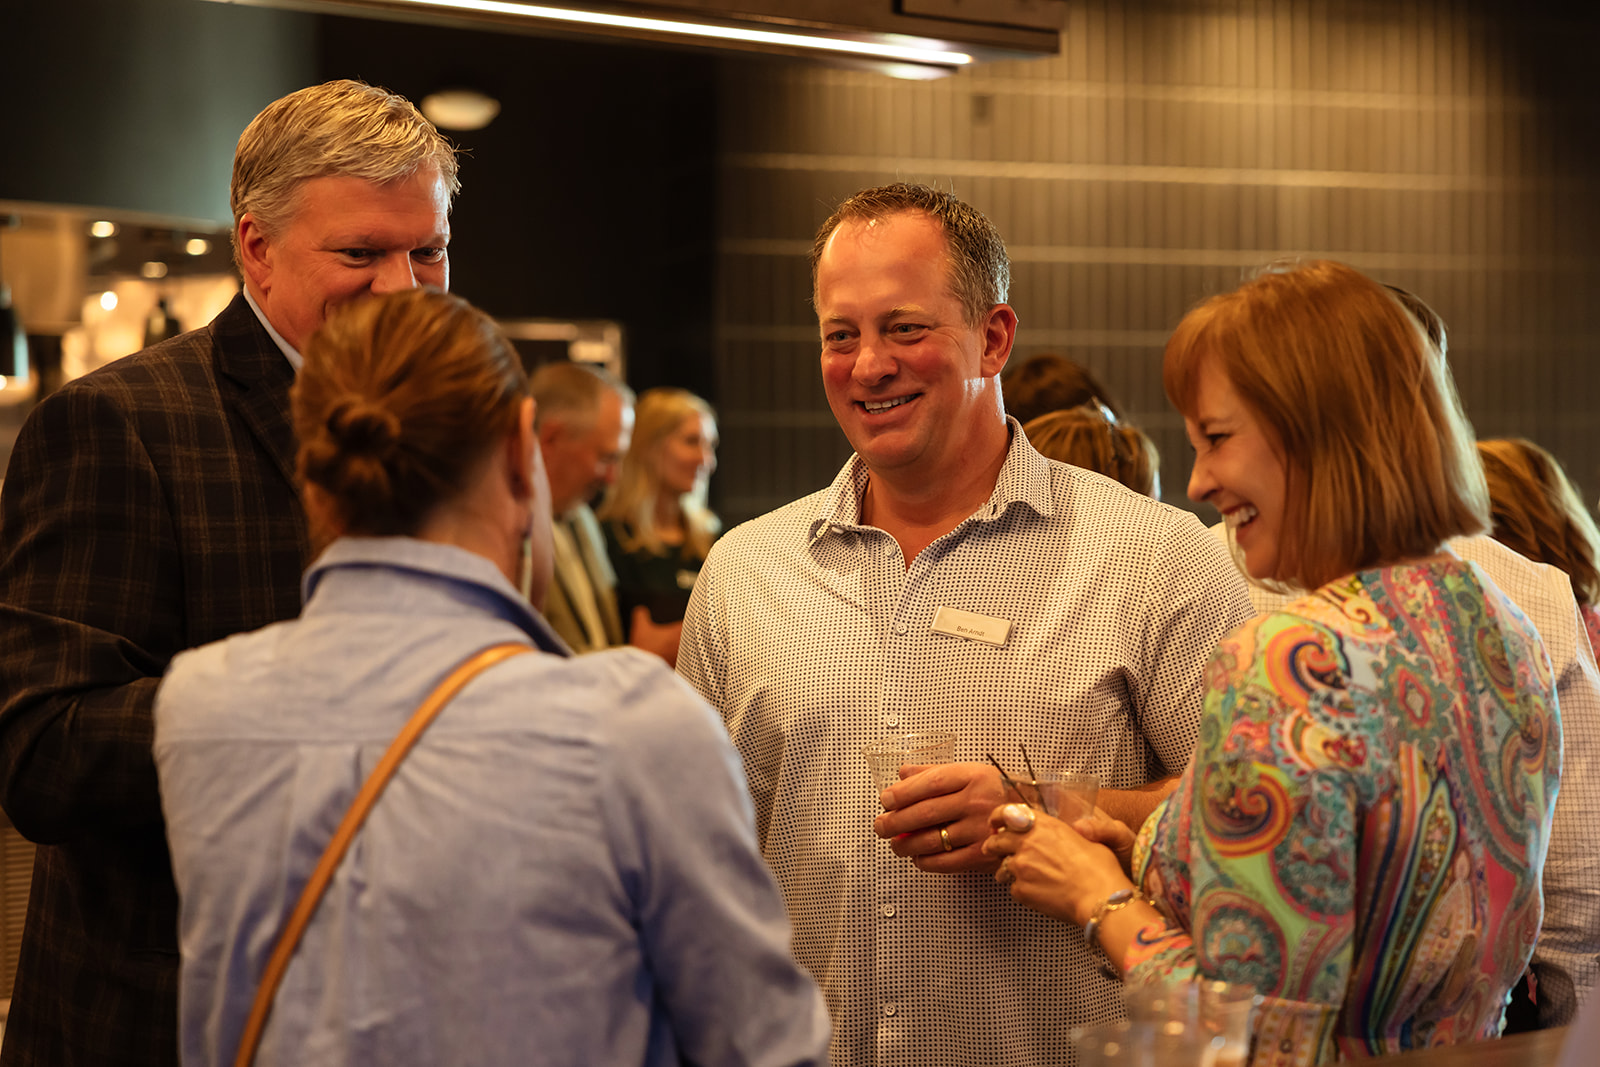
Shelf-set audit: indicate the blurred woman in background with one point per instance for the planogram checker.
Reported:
(1537, 511)
(1049, 382)
(658, 526)
(1360, 834)
(1091, 437)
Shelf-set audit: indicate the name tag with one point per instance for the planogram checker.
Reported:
(973, 627)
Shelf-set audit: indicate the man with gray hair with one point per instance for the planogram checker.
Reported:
(951, 579)
(151, 507)
(583, 418)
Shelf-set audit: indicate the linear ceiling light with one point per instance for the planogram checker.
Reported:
(930, 55)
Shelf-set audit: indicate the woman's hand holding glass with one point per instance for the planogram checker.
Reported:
(1058, 869)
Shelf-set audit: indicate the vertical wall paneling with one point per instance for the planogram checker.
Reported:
(1168, 150)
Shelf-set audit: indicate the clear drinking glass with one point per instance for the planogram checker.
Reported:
(1204, 1023)
(886, 757)
(1117, 1044)
(1292, 1033)
(1227, 1011)
(1131, 1043)
(1068, 795)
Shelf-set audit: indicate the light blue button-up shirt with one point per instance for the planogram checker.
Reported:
(563, 871)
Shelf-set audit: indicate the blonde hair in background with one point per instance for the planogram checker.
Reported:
(337, 129)
(1091, 437)
(1378, 453)
(1537, 511)
(631, 503)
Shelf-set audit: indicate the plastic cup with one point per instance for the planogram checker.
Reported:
(1115, 1044)
(1067, 795)
(1205, 1022)
(1226, 1013)
(1132, 1043)
(886, 757)
(1292, 1033)
(1162, 1002)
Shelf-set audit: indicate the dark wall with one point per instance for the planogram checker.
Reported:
(590, 196)
(1173, 146)
(138, 106)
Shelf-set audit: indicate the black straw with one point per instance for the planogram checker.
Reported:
(1006, 778)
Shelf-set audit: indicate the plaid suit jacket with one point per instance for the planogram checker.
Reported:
(149, 507)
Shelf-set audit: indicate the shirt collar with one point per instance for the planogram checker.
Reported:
(364, 570)
(1025, 479)
(288, 350)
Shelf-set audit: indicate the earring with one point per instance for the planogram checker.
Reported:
(525, 567)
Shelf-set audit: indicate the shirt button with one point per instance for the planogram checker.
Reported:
(900, 628)
(891, 719)
(888, 911)
(889, 1009)
(888, 548)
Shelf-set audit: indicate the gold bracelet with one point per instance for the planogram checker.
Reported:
(1120, 899)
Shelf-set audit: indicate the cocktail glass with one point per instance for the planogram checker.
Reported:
(886, 757)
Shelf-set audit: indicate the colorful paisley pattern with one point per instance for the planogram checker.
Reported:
(1360, 833)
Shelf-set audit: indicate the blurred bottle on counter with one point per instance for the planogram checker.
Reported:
(160, 324)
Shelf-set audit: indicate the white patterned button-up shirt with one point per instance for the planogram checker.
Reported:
(812, 636)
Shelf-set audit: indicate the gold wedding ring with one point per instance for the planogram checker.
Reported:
(1005, 875)
(944, 835)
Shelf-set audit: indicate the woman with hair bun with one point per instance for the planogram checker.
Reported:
(1360, 833)
(563, 869)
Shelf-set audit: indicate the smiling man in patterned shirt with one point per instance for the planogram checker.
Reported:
(851, 614)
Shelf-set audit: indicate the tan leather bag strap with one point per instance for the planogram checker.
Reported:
(371, 789)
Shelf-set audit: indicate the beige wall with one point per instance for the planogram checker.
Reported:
(1167, 150)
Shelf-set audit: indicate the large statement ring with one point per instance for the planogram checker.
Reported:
(944, 835)
(1018, 817)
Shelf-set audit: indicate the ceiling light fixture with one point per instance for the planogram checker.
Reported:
(930, 54)
(460, 109)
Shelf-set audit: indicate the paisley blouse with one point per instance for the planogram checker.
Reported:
(1361, 831)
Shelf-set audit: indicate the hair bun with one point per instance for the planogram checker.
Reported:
(362, 428)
